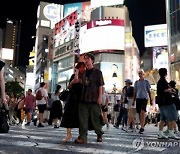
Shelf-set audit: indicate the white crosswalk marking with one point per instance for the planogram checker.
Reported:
(115, 141)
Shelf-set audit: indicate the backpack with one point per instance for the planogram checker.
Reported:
(4, 125)
(39, 95)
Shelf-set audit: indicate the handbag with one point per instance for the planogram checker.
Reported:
(63, 95)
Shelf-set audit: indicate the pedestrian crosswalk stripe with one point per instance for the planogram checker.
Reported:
(116, 141)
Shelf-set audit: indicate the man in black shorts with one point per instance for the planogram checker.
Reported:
(141, 92)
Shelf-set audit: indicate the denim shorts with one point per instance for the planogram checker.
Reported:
(28, 110)
(168, 113)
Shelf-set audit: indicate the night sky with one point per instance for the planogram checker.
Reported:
(142, 12)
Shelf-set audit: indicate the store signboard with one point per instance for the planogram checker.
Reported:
(113, 76)
(98, 3)
(65, 29)
(48, 14)
(102, 35)
(155, 35)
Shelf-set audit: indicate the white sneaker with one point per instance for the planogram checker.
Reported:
(162, 136)
(176, 131)
(166, 131)
(173, 136)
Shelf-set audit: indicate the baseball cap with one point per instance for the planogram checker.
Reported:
(128, 81)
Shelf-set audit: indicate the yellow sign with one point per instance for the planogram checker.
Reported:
(31, 58)
(46, 75)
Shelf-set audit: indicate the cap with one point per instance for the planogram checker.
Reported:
(128, 81)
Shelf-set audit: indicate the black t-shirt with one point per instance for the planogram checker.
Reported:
(162, 85)
(130, 91)
(1, 65)
(92, 80)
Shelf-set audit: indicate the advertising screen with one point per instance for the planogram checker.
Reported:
(160, 57)
(102, 35)
(69, 8)
(65, 29)
(84, 10)
(113, 76)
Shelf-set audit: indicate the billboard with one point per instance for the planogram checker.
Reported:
(7, 54)
(102, 35)
(113, 76)
(155, 35)
(98, 3)
(65, 29)
(69, 8)
(84, 10)
(160, 57)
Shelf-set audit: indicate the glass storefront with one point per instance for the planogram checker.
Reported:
(174, 8)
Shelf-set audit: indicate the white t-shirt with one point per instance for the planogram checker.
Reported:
(44, 94)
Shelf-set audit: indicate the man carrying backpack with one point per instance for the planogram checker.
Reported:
(41, 101)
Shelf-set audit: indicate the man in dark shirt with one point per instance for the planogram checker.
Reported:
(89, 108)
(166, 106)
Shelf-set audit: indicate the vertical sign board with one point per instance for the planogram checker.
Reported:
(55, 70)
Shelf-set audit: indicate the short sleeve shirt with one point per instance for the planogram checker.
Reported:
(30, 101)
(142, 87)
(44, 94)
(91, 83)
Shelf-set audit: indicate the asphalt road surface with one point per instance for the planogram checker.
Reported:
(48, 140)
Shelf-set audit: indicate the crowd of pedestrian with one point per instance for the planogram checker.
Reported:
(87, 106)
